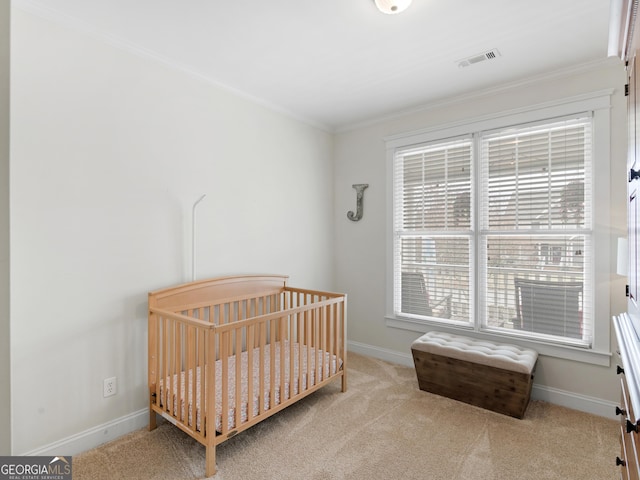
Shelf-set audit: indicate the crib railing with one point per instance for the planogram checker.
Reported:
(186, 342)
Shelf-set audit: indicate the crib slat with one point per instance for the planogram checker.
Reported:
(179, 370)
(334, 329)
(208, 394)
(343, 340)
(283, 364)
(194, 381)
(326, 342)
(288, 319)
(300, 340)
(319, 355)
(329, 340)
(323, 341)
(163, 361)
(172, 358)
(168, 378)
(308, 329)
(238, 397)
(175, 368)
(292, 356)
(272, 364)
(224, 375)
(159, 376)
(250, 353)
(316, 345)
(203, 371)
(191, 377)
(263, 341)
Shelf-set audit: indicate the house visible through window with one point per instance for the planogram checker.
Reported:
(492, 230)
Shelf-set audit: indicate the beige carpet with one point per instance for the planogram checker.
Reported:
(383, 427)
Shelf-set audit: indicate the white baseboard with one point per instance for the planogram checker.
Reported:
(94, 437)
(382, 353)
(575, 401)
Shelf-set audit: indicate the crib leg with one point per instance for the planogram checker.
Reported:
(210, 462)
(344, 381)
(153, 420)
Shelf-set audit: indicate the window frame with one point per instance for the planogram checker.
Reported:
(599, 105)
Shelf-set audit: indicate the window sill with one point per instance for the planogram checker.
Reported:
(584, 355)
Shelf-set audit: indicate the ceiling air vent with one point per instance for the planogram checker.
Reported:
(481, 57)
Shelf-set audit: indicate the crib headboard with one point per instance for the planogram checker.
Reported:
(177, 297)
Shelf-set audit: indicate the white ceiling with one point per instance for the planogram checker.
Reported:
(336, 63)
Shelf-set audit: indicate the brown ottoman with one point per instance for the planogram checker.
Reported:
(494, 376)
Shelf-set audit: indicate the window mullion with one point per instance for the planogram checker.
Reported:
(478, 223)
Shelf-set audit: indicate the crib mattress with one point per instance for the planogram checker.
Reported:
(322, 362)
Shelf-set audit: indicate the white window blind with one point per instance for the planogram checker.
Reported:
(535, 229)
(433, 235)
(531, 253)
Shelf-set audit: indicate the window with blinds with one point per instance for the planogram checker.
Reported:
(535, 229)
(433, 187)
(518, 226)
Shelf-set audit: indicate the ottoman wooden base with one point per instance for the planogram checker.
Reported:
(469, 380)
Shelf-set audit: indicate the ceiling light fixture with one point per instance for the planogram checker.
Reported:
(392, 7)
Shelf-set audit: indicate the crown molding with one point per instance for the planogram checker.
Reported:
(483, 93)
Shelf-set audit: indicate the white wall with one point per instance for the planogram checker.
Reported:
(5, 392)
(109, 152)
(360, 157)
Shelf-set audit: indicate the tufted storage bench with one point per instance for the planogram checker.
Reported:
(489, 375)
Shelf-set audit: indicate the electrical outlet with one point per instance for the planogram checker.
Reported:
(109, 387)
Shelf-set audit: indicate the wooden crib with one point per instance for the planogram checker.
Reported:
(255, 344)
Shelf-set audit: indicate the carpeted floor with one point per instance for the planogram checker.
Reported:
(383, 427)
